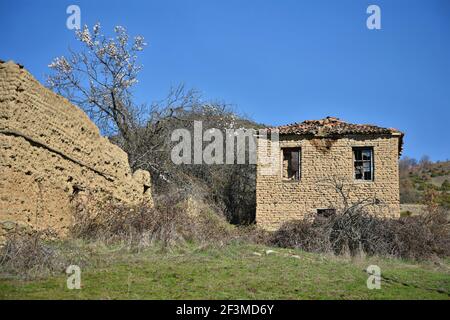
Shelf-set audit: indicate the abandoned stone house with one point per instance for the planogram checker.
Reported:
(310, 156)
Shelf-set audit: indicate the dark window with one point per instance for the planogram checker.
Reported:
(326, 213)
(363, 162)
(291, 163)
(323, 215)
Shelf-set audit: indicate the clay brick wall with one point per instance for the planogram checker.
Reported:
(51, 152)
(322, 159)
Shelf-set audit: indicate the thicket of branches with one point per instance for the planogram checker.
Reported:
(355, 228)
(101, 78)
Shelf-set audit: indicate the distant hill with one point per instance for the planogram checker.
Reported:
(419, 177)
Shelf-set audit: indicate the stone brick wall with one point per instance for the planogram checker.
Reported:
(323, 159)
(50, 152)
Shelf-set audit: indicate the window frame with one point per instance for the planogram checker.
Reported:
(299, 149)
(372, 163)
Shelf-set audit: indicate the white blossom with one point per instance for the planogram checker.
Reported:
(96, 28)
(139, 43)
(111, 49)
(119, 29)
(85, 36)
(61, 64)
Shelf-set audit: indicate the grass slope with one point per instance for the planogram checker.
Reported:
(416, 179)
(236, 272)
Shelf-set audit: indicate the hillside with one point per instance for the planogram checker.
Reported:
(424, 179)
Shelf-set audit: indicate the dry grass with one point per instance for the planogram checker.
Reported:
(171, 222)
(28, 255)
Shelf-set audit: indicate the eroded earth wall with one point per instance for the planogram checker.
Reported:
(50, 152)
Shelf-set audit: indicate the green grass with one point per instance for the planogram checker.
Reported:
(236, 272)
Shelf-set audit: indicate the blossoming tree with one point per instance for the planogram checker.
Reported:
(99, 78)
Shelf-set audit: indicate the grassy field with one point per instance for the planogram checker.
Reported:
(237, 272)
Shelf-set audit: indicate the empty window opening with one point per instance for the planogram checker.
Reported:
(326, 213)
(291, 163)
(363, 163)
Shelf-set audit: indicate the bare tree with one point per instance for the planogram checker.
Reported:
(100, 78)
(425, 162)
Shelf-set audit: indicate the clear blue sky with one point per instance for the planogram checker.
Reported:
(276, 61)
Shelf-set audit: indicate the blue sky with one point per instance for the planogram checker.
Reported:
(276, 61)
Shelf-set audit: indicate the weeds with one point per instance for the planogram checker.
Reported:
(173, 222)
(27, 255)
(170, 222)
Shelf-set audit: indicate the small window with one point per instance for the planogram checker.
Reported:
(323, 215)
(326, 213)
(363, 163)
(291, 163)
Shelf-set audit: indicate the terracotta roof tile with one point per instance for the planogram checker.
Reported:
(333, 127)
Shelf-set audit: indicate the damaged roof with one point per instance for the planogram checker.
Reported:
(334, 127)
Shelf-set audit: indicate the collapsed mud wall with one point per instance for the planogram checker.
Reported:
(50, 153)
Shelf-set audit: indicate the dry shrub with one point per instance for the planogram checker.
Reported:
(135, 225)
(423, 236)
(355, 230)
(211, 228)
(253, 234)
(304, 234)
(168, 223)
(28, 255)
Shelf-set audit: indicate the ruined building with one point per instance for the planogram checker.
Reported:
(50, 152)
(313, 157)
